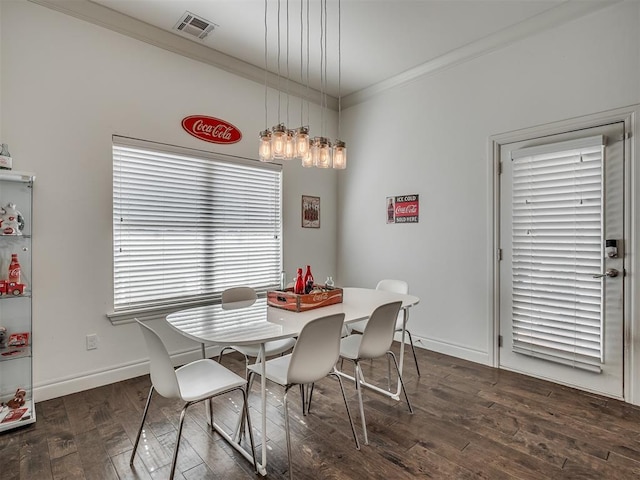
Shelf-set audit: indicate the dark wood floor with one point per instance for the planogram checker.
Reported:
(470, 421)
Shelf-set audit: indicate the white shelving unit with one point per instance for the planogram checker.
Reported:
(16, 366)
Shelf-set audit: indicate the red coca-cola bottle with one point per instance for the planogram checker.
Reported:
(308, 280)
(14, 269)
(298, 288)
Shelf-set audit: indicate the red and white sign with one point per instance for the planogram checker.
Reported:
(211, 129)
(403, 209)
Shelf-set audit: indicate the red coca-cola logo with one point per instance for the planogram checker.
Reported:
(320, 297)
(406, 209)
(211, 129)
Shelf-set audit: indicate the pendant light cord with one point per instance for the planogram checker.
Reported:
(339, 65)
(288, 75)
(279, 89)
(266, 70)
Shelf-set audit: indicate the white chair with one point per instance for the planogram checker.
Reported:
(191, 383)
(374, 342)
(239, 297)
(396, 286)
(313, 358)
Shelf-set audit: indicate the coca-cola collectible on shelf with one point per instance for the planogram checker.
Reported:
(12, 285)
(14, 269)
(11, 220)
(5, 157)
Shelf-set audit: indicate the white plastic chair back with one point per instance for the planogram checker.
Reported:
(378, 333)
(316, 351)
(238, 297)
(163, 375)
(395, 286)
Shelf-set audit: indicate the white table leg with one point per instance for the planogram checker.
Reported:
(263, 390)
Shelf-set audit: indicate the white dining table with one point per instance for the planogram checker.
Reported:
(260, 323)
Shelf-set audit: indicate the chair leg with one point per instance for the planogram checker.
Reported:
(144, 416)
(248, 419)
(359, 391)
(304, 403)
(175, 451)
(221, 353)
(288, 434)
(249, 385)
(346, 404)
(415, 359)
(310, 397)
(406, 397)
(388, 374)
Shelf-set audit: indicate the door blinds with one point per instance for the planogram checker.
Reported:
(188, 224)
(557, 248)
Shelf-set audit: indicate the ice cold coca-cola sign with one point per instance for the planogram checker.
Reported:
(211, 129)
(403, 209)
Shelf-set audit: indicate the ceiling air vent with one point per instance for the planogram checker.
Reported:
(193, 25)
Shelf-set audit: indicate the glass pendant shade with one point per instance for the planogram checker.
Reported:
(302, 142)
(278, 141)
(307, 161)
(315, 151)
(264, 149)
(290, 145)
(340, 155)
(324, 154)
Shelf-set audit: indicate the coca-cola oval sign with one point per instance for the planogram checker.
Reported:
(211, 129)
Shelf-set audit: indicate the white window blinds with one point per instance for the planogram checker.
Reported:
(188, 224)
(557, 248)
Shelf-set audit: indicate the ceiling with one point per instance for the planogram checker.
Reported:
(379, 39)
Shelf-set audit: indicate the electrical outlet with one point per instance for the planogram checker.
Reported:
(92, 342)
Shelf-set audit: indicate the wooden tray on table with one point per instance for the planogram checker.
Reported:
(321, 297)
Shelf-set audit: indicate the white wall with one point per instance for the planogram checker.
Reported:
(431, 137)
(67, 87)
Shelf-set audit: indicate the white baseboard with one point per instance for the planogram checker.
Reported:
(115, 373)
(458, 351)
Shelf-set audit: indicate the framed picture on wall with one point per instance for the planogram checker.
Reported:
(310, 212)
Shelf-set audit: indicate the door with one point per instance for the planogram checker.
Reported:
(561, 302)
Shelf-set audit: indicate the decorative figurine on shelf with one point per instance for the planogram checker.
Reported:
(3, 337)
(18, 400)
(12, 221)
(5, 157)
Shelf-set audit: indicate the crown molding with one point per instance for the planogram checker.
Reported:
(105, 17)
(563, 13)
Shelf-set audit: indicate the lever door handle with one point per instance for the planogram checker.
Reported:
(611, 272)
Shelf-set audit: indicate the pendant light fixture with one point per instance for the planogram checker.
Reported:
(281, 142)
(339, 147)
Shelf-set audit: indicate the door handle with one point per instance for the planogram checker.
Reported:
(611, 272)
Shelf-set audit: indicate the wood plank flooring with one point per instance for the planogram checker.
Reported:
(470, 422)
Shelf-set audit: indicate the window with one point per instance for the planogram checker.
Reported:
(557, 238)
(188, 224)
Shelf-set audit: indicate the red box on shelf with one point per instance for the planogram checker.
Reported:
(288, 300)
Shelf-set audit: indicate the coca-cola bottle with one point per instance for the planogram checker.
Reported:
(390, 211)
(298, 287)
(14, 269)
(308, 280)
